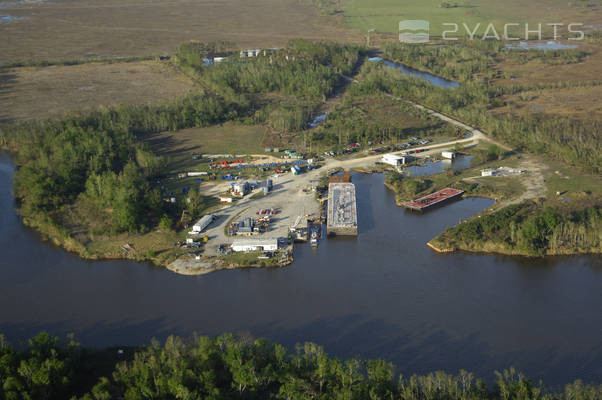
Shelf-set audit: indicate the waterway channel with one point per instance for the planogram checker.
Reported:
(432, 79)
(382, 294)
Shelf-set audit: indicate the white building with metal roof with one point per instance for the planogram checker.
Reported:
(255, 245)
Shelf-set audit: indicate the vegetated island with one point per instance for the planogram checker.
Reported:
(229, 367)
(528, 229)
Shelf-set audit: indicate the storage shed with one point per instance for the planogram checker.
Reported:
(392, 159)
(396, 160)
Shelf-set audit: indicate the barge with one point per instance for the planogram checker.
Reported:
(434, 199)
(342, 210)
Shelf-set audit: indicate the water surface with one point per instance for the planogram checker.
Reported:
(9, 18)
(437, 167)
(318, 120)
(433, 79)
(551, 45)
(382, 294)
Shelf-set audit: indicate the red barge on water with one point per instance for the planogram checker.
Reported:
(434, 199)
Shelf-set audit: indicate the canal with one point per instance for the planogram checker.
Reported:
(382, 294)
(432, 79)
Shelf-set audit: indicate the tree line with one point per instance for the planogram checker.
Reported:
(532, 230)
(303, 68)
(473, 60)
(359, 119)
(98, 156)
(462, 62)
(304, 73)
(571, 140)
(229, 367)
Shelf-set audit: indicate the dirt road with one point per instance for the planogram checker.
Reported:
(477, 134)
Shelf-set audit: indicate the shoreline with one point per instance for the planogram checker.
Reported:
(59, 237)
(495, 249)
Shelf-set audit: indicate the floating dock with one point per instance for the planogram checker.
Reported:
(342, 209)
(434, 199)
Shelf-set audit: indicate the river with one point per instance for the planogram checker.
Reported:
(382, 294)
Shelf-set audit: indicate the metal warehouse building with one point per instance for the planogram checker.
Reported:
(255, 244)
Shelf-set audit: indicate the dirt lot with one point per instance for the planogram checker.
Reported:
(287, 196)
(72, 29)
(27, 93)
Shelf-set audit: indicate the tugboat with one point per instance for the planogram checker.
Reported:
(314, 240)
(315, 235)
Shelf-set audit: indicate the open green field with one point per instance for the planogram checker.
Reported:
(228, 138)
(384, 15)
(561, 178)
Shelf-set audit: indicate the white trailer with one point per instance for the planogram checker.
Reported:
(202, 224)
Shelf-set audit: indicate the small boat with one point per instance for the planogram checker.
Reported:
(315, 235)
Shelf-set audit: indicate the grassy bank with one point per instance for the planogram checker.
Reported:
(155, 246)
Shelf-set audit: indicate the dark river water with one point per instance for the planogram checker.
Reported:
(382, 294)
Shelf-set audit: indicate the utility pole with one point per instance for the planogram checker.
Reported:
(368, 36)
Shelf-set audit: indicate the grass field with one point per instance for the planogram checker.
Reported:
(561, 178)
(227, 138)
(384, 15)
(69, 29)
(579, 103)
(38, 92)
(536, 71)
